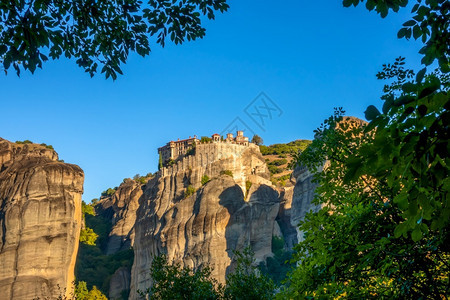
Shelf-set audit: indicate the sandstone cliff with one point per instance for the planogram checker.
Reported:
(121, 209)
(40, 219)
(225, 214)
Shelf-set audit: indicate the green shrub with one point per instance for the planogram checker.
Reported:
(109, 192)
(284, 177)
(87, 209)
(279, 162)
(88, 236)
(283, 149)
(47, 146)
(82, 292)
(95, 267)
(248, 185)
(247, 282)
(205, 179)
(226, 172)
(205, 139)
(191, 150)
(279, 265)
(190, 190)
(274, 170)
(171, 281)
(24, 142)
(139, 179)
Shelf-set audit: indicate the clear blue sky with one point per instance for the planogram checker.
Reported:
(307, 56)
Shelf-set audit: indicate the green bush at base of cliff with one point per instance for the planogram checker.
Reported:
(278, 266)
(93, 266)
(171, 281)
(96, 268)
(83, 293)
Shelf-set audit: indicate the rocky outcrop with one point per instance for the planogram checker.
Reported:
(225, 214)
(119, 284)
(40, 219)
(302, 197)
(121, 209)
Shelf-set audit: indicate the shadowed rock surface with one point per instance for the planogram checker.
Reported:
(205, 227)
(40, 219)
(121, 209)
(120, 282)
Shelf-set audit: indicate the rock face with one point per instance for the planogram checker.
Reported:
(40, 219)
(302, 197)
(225, 214)
(120, 282)
(121, 208)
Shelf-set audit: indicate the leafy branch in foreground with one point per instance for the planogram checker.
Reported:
(171, 281)
(350, 247)
(98, 34)
(430, 23)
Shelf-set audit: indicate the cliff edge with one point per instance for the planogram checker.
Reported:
(40, 219)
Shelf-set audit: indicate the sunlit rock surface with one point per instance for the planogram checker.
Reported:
(40, 219)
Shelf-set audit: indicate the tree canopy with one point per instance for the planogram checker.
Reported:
(383, 227)
(98, 34)
(429, 23)
(256, 139)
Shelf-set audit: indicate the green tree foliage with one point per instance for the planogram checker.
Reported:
(429, 23)
(24, 142)
(283, 149)
(140, 179)
(383, 230)
(278, 266)
(248, 185)
(246, 281)
(47, 146)
(205, 139)
(171, 281)
(205, 179)
(109, 192)
(278, 162)
(98, 34)
(413, 128)
(256, 139)
(175, 282)
(88, 236)
(160, 162)
(191, 150)
(87, 208)
(226, 172)
(190, 190)
(95, 267)
(350, 247)
(274, 170)
(83, 293)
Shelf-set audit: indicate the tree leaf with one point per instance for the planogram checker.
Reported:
(371, 113)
